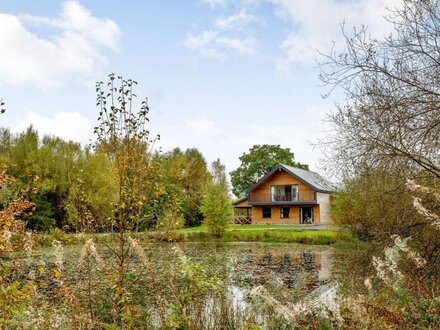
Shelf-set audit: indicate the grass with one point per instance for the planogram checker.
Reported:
(282, 227)
(272, 234)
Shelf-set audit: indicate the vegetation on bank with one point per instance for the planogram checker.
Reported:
(317, 237)
(235, 233)
(270, 233)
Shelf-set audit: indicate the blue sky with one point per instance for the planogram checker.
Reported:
(220, 75)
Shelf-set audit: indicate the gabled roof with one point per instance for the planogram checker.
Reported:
(238, 201)
(312, 179)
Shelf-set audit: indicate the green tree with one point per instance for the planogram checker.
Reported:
(92, 193)
(216, 205)
(185, 174)
(194, 184)
(257, 163)
(57, 164)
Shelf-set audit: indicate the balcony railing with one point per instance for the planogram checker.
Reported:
(302, 196)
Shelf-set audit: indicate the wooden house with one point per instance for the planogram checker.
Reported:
(286, 195)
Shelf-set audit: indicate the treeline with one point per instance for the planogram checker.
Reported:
(76, 187)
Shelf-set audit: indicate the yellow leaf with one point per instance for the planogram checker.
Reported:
(56, 273)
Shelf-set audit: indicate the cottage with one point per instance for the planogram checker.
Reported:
(286, 195)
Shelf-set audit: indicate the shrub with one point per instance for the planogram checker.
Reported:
(168, 224)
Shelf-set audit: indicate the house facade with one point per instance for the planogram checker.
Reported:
(286, 195)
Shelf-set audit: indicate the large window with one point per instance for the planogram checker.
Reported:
(285, 212)
(267, 213)
(284, 193)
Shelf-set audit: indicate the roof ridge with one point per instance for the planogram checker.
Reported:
(299, 168)
(323, 183)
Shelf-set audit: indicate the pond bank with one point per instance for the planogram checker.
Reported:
(315, 237)
(254, 233)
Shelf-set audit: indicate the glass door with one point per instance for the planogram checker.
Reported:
(305, 215)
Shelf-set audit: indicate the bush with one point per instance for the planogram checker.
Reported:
(168, 224)
(377, 204)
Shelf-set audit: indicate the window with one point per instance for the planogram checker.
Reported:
(285, 212)
(267, 213)
(284, 193)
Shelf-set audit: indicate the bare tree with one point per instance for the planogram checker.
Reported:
(392, 114)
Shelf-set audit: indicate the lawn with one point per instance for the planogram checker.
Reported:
(269, 233)
(279, 227)
(273, 233)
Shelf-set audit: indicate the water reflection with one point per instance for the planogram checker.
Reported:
(310, 269)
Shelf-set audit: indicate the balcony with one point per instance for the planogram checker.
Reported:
(302, 197)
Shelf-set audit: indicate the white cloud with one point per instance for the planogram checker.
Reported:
(66, 125)
(317, 23)
(203, 127)
(228, 35)
(204, 44)
(241, 46)
(212, 44)
(223, 3)
(226, 38)
(73, 51)
(238, 20)
(215, 3)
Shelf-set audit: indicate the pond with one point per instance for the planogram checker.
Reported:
(214, 284)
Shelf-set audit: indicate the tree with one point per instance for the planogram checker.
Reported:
(14, 293)
(122, 135)
(392, 116)
(185, 174)
(13, 205)
(55, 161)
(388, 130)
(257, 163)
(91, 194)
(216, 205)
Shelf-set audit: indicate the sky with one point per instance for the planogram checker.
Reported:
(220, 75)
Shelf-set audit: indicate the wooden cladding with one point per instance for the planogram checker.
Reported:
(281, 187)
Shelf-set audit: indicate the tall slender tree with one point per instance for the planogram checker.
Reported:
(122, 135)
(216, 206)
